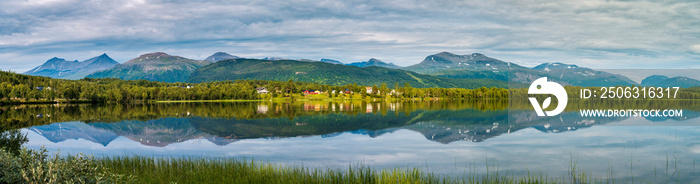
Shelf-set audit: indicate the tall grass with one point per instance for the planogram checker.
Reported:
(228, 170)
(205, 170)
(38, 167)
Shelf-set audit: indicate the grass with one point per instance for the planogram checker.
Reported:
(202, 170)
(229, 170)
(31, 166)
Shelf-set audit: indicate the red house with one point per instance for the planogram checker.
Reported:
(310, 92)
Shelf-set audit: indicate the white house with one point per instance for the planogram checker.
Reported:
(262, 90)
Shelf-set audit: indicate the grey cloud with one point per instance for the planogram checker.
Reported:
(403, 32)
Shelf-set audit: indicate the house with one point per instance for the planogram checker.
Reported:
(39, 88)
(310, 92)
(368, 89)
(262, 90)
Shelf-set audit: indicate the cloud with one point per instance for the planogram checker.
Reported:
(695, 49)
(606, 34)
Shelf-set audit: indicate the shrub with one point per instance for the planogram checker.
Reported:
(36, 166)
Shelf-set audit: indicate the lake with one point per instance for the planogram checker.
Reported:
(454, 138)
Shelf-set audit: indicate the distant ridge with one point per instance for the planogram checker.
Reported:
(474, 61)
(331, 61)
(62, 69)
(374, 62)
(663, 81)
(326, 73)
(480, 66)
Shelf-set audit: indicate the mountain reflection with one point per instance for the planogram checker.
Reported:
(224, 123)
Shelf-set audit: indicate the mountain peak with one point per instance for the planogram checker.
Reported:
(218, 56)
(155, 54)
(374, 60)
(60, 68)
(447, 58)
(556, 65)
(445, 54)
(155, 57)
(653, 80)
(102, 61)
(450, 61)
(104, 56)
(56, 59)
(449, 54)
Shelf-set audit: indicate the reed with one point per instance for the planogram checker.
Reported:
(229, 170)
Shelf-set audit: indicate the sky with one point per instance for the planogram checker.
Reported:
(594, 34)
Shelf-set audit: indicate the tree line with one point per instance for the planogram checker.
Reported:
(23, 87)
(19, 87)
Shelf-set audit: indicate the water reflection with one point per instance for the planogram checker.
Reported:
(449, 136)
(222, 123)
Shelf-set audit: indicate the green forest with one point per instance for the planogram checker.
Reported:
(18, 88)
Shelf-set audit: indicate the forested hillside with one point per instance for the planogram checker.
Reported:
(325, 73)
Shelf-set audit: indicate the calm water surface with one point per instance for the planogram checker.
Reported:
(451, 138)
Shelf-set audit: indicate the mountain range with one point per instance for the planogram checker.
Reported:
(438, 70)
(157, 66)
(326, 73)
(62, 69)
(477, 65)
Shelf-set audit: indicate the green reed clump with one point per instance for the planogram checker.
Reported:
(31, 166)
(228, 170)
(36, 166)
(203, 170)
